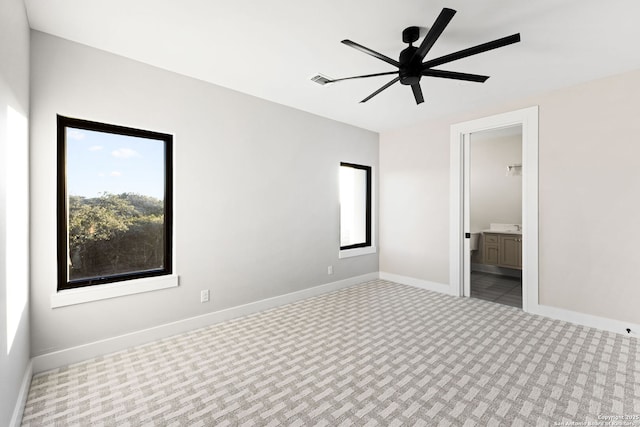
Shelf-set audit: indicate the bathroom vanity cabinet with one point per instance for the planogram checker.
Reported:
(503, 250)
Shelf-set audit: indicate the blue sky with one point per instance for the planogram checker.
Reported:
(99, 162)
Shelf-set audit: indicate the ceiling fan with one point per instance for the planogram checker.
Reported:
(410, 66)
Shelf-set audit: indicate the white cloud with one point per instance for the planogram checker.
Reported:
(124, 153)
(96, 148)
(75, 134)
(116, 173)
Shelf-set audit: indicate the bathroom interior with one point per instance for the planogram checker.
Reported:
(495, 209)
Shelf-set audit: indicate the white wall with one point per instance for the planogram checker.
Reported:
(414, 183)
(494, 196)
(588, 206)
(14, 209)
(256, 190)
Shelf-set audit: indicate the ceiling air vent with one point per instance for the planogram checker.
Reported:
(320, 79)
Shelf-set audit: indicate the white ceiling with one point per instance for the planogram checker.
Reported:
(271, 49)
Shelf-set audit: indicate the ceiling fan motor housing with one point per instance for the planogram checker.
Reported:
(410, 66)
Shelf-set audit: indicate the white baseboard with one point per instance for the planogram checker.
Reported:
(417, 283)
(79, 353)
(589, 320)
(16, 419)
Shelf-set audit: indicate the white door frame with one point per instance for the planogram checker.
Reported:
(458, 245)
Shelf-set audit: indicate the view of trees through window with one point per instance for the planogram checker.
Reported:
(115, 234)
(114, 204)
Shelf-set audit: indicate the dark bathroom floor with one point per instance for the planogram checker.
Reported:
(495, 288)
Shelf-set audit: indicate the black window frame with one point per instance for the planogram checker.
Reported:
(62, 220)
(368, 231)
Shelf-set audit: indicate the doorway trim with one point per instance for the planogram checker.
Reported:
(528, 119)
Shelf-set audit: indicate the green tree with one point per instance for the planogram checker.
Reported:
(114, 234)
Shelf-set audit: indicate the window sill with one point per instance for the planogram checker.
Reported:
(348, 253)
(112, 290)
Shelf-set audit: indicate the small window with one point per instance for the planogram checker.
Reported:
(114, 203)
(355, 206)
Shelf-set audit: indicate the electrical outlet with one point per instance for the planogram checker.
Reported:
(204, 295)
(330, 269)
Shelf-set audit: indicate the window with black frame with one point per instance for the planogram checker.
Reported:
(355, 206)
(114, 203)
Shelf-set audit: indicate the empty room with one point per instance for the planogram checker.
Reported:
(290, 213)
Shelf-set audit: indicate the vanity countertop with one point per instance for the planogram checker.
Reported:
(518, 232)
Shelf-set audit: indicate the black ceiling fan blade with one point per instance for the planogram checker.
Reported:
(364, 76)
(514, 38)
(455, 75)
(434, 33)
(396, 80)
(417, 93)
(371, 52)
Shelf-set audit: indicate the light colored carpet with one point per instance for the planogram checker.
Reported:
(374, 354)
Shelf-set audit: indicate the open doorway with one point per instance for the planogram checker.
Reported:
(460, 226)
(493, 166)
